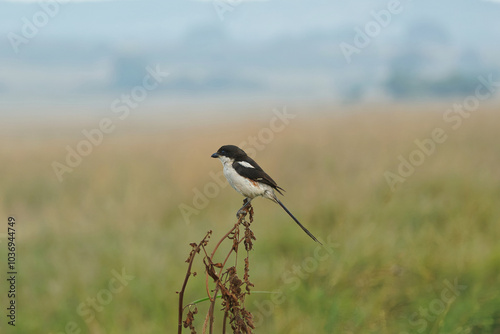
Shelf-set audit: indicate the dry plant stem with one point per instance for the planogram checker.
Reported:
(215, 250)
(227, 282)
(212, 306)
(212, 257)
(224, 323)
(235, 231)
(209, 317)
(211, 311)
(181, 294)
(193, 253)
(205, 323)
(235, 249)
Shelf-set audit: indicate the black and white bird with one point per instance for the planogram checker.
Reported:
(247, 178)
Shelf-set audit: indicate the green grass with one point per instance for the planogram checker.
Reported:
(390, 253)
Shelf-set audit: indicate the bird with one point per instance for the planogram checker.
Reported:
(250, 180)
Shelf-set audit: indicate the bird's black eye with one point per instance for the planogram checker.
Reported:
(222, 151)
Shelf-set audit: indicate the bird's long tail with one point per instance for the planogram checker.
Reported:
(296, 220)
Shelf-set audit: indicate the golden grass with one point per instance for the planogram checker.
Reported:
(393, 250)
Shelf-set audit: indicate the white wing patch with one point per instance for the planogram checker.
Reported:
(245, 164)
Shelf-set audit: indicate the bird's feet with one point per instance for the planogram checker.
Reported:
(241, 212)
(244, 209)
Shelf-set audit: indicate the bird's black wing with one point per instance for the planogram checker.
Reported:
(255, 173)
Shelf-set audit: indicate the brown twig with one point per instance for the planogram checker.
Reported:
(212, 256)
(235, 236)
(227, 282)
(195, 250)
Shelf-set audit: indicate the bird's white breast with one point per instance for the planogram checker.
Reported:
(244, 186)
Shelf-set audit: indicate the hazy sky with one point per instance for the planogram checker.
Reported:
(258, 49)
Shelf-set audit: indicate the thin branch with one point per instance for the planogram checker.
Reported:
(231, 287)
(194, 251)
(213, 254)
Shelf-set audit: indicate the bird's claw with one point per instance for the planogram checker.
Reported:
(244, 209)
(241, 212)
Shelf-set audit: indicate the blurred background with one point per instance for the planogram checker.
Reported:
(110, 110)
(84, 52)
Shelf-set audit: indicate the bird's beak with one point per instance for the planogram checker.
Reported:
(215, 155)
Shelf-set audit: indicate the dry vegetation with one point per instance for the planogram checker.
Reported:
(391, 259)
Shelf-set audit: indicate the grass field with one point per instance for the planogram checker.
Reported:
(103, 251)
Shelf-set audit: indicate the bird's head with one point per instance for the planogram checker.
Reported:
(229, 153)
